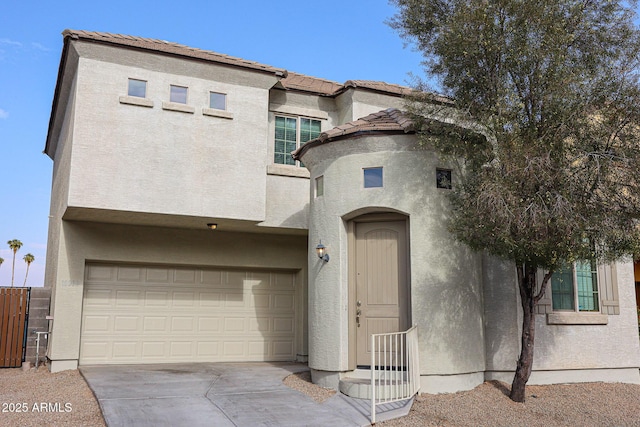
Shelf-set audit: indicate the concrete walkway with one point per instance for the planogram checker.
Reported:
(219, 394)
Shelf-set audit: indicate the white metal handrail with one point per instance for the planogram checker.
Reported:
(395, 370)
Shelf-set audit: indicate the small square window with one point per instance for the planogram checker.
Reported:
(319, 186)
(178, 94)
(372, 177)
(217, 101)
(137, 88)
(443, 178)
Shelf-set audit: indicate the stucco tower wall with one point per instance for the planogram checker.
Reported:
(445, 277)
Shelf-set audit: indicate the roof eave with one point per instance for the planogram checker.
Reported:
(325, 139)
(278, 72)
(56, 95)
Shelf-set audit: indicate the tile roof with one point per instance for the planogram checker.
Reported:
(390, 120)
(304, 83)
(170, 48)
(289, 80)
(295, 81)
(379, 86)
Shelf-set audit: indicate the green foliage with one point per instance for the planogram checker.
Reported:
(554, 84)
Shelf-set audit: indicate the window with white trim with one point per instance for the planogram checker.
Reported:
(292, 133)
(575, 287)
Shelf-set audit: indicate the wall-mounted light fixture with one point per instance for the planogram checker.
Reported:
(212, 226)
(321, 250)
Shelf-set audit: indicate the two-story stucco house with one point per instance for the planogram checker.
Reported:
(183, 230)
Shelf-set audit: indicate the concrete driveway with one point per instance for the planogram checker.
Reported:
(219, 394)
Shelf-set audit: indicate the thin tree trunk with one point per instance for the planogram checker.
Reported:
(527, 286)
(13, 267)
(25, 276)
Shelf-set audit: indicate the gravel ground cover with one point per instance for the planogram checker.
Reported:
(40, 398)
(588, 404)
(301, 381)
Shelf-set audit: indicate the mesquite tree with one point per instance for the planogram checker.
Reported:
(554, 85)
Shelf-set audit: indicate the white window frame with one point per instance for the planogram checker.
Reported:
(298, 119)
(576, 296)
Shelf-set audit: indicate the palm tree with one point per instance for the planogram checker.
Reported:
(14, 245)
(28, 258)
(1, 260)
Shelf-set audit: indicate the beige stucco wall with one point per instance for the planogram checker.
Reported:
(355, 103)
(366, 102)
(445, 279)
(83, 241)
(134, 158)
(559, 348)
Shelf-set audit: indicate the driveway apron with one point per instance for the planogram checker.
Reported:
(218, 394)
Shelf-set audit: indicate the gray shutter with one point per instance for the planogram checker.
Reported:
(608, 288)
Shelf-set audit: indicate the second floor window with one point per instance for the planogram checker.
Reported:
(178, 94)
(137, 88)
(291, 133)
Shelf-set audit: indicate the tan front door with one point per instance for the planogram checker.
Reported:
(381, 283)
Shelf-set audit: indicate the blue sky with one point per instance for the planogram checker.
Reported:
(336, 40)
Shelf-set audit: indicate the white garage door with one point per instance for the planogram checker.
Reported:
(134, 314)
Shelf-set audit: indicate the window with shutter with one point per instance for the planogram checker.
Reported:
(584, 293)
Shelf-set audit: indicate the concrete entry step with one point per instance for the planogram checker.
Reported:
(360, 388)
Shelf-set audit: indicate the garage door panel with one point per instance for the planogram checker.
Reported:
(124, 349)
(126, 324)
(101, 272)
(180, 315)
(209, 324)
(129, 274)
(96, 324)
(211, 277)
(128, 298)
(156, 299)
(210, 299)
(99, 297)
(153, 349)
(183, 275)
(158, 275)
(283, 302)
(155, 324)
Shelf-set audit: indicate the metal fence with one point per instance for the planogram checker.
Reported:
(395, 369)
